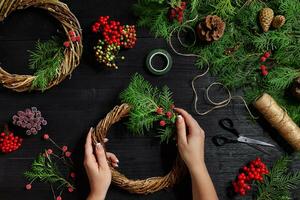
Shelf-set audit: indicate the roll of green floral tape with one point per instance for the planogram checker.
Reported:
(152, 68)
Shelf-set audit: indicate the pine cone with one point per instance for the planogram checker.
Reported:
(296, 88)
(266, 17)
(278, 21)
(211, 28)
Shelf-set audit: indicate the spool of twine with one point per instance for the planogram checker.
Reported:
(279, 119)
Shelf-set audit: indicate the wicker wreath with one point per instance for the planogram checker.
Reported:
(149, 185)
(72, 54)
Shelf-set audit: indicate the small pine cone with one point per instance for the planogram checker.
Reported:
(278, 21)
(211, 28)
(266, 17)
(296, 88)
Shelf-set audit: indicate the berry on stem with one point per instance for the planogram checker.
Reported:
(68, 154)
(263, 59)
(162, 123)
(46, 136)
(267, 54)
(28, 186)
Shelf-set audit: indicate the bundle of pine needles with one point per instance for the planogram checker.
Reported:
(145, 101)
(240, 68)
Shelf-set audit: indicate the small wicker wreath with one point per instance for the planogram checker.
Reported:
(62, 13)
(149, 185)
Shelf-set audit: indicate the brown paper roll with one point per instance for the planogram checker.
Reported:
(279, 119)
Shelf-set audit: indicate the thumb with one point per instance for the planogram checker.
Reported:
(181, 130)
(100, 155)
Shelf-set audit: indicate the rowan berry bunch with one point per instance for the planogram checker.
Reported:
(114, 37)
(177, 12)
(263, 59)
(167, 117)
(9, 142)
(255, 171)
(30, 119)
(44, 169)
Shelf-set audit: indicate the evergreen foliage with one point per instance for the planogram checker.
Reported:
(279, 183)
(44, 170)
(145, 100)
(240, 69)
(46, 60)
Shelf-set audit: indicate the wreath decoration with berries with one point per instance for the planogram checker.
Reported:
(58, 62)
(144, 105)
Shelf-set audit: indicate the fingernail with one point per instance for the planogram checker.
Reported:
(116, 165)
(105, 140)
(91, 129)
(117, 161)
(179, 118)
(98, 145)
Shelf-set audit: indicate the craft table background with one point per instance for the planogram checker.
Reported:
(77, 104)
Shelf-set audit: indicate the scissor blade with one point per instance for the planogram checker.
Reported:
(253, 141)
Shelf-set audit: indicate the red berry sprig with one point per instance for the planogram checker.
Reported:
(263, 68)
(52, 156)
(176, 12)
(73, 37)
(114, 36)
(255, 171)
(9, 142)
(167, 117)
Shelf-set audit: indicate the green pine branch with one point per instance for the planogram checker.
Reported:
(279, 183)
(240, 68)
(46, 60)
(145, 100)
(44, 170)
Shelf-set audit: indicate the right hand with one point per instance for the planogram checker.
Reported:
(190, 139)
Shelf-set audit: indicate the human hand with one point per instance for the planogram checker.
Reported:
(190, 138)
(97, 168)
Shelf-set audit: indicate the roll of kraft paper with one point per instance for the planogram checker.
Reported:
(279, 119)
(152, 68)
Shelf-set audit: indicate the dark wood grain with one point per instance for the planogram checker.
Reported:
(79, 103)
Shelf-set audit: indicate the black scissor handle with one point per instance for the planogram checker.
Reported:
(219, 140)
(228, 125)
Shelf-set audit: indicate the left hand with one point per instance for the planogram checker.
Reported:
(97, 168)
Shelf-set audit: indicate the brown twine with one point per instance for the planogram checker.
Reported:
(146, 186)
(62, 13)
(279, 119)
(216, 105)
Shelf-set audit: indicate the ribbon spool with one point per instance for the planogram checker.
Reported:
(153, 69)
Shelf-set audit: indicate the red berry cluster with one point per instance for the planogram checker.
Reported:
(166, 116)
(263, 68)
(114, 36)
(177, 12)
(253, 172)
(9, 142)
(74, 38)
(111, 30)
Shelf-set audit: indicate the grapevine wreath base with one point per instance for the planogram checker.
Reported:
(72, 54)
(146, 186)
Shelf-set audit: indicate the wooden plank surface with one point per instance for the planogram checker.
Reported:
(76, 104)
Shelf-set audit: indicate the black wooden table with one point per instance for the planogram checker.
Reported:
(79, 103)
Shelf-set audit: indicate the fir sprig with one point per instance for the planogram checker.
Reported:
(145, 101)
(46, 60)
(279, 183)
(43, 169)
(240, 69)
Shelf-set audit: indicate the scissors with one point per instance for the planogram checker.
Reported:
(228, 125)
